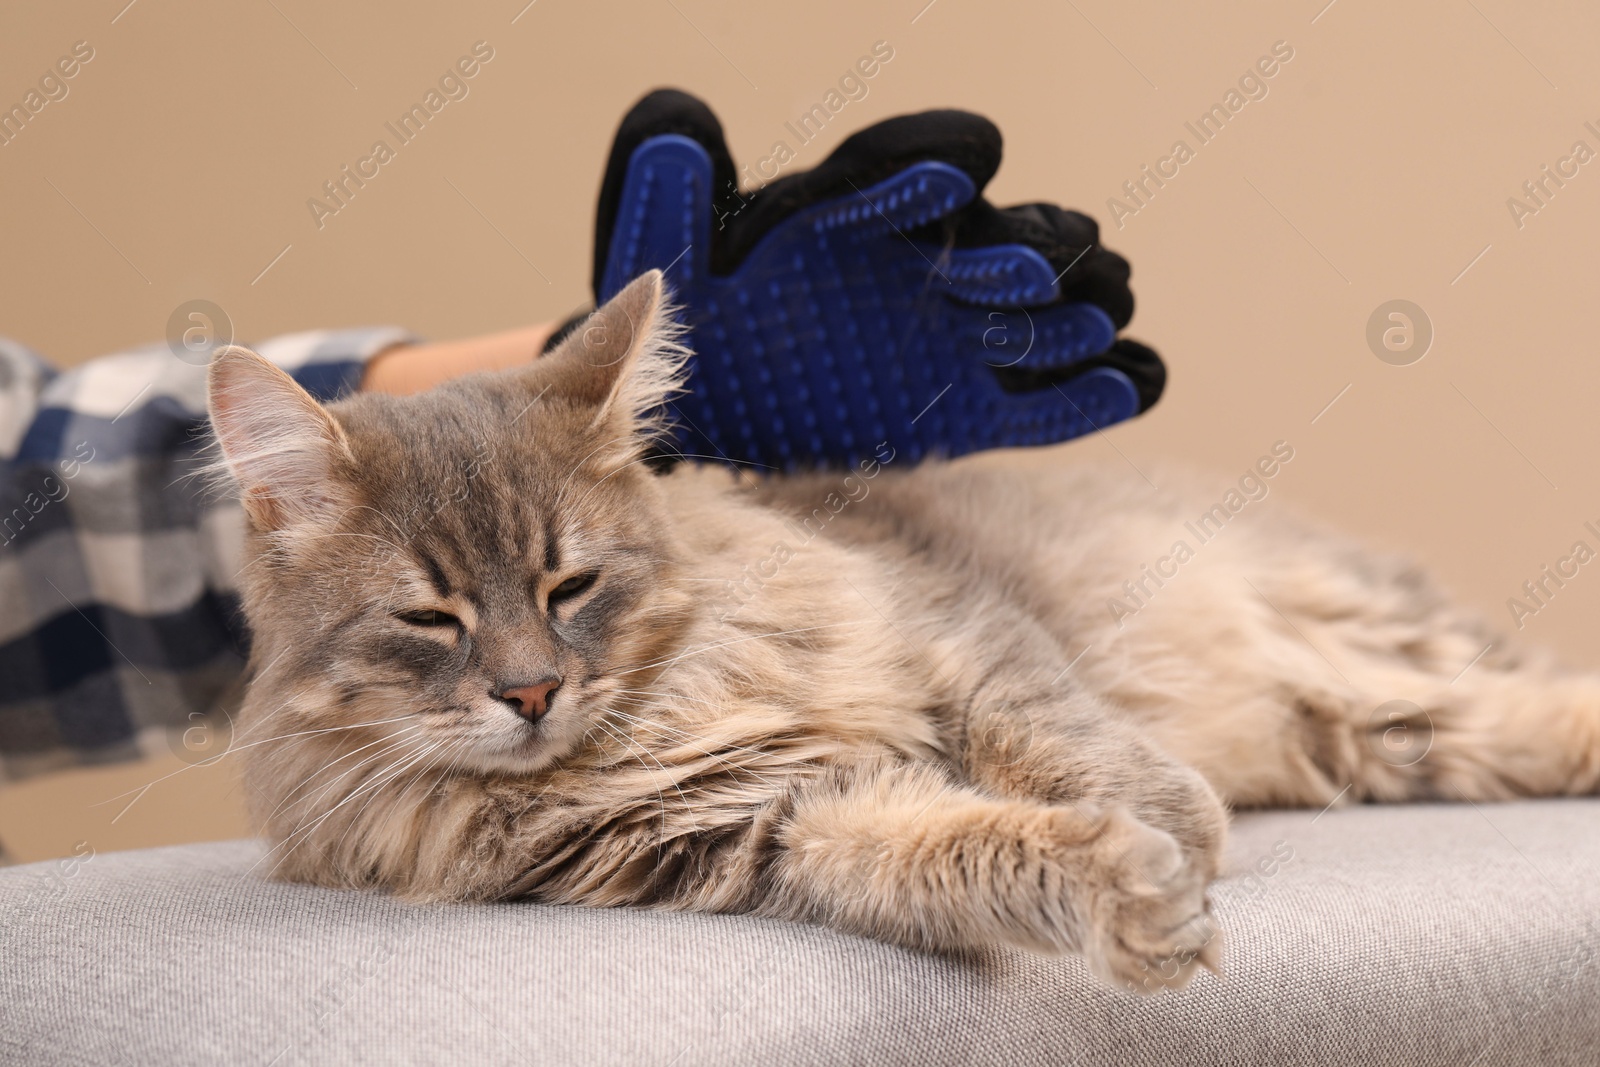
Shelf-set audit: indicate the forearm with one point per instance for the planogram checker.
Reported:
(416, 368)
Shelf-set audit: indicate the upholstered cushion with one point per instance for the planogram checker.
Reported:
(1408, 935)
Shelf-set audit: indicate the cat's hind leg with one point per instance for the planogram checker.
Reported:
(1409, 697)
(1503, 729)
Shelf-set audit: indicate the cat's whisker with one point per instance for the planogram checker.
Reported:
(455, 749)
(312, 738)
(230, 750)
(736, 464)
(384, 516)
(684, 738)
(258, 561)
(380, 780)
(463, 749)
(662, 698)
(733, 765)
(324, 730)
(392, 597)
(610, 442)
(425, 766)
(666, 700)
(626, 739)
(682, 742)
(324, 768)
(357, 775)
(661, 832)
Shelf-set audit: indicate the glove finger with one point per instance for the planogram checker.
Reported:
(1097, 398)
(664, 112)
(1094, 400)
(1101, 278)
(1000, 276)
(962, 141)
(1068, 240)
(1142, 366)
(1137, 364)
(902, 202)
(663, 216)
(1040, 340)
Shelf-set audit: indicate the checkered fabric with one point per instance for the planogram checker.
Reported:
(119, 616)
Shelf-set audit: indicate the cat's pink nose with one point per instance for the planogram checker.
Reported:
(531, 700)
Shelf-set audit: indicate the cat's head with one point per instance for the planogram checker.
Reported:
(471, 574)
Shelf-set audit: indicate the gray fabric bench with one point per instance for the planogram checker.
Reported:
(1412, 935)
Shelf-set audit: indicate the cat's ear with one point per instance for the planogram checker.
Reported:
(286, 451)
(624, 361)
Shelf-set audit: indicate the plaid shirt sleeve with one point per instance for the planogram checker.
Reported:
(119, 613)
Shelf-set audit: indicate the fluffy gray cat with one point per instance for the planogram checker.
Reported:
(986, 702)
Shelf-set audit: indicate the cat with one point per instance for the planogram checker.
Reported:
(497, 655)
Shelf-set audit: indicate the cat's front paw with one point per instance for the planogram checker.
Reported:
(1149, 928)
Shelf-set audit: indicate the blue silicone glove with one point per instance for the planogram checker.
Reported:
(874, 300)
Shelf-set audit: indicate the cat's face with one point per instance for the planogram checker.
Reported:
(468, 577)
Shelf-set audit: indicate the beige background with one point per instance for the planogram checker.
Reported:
(1377, 167)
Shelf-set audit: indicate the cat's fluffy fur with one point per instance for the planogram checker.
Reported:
(922, 725)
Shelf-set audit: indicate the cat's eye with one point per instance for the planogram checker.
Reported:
(428, 618)
(573, 586)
